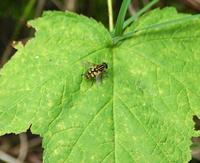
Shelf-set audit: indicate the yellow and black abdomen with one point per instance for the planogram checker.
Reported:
(93, 72)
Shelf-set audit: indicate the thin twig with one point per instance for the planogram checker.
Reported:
(58, 4)
(34, 158)
(35, 142)
(39, 7)
(23, 147)
(6, 54)
(7, 158)
(110, 15)
(70, 5)
(31, 144)
(196, 153)
(131, 10)
(145, 2)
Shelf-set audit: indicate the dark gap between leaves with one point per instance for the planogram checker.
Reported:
(29, 144)
(195, 147)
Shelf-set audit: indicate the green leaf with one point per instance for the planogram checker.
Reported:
(141, 112)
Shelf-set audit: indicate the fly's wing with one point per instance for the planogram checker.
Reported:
(99, 79)
(88, 65)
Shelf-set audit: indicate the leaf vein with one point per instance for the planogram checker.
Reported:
(84, 130)
(146, 130)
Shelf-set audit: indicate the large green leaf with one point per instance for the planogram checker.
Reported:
(141, 112)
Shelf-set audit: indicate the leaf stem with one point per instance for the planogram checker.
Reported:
(110, 14)
(121, 17)
(137, 15)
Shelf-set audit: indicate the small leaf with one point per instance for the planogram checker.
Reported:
(141, 112)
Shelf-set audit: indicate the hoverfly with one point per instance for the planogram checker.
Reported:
(96, 71)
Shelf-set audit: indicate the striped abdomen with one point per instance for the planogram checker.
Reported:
(96, 71)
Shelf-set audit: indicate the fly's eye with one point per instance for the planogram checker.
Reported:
(105, 64)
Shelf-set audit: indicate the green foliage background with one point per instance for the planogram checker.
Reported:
(35, 67)
(143, 109)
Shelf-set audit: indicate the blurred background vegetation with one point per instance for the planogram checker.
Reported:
(14, 15)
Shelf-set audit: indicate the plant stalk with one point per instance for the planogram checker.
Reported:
(156, 26)
(121, 17)
(137, 15)
(110, 15)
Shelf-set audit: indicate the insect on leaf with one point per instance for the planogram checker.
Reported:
(141, 112)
